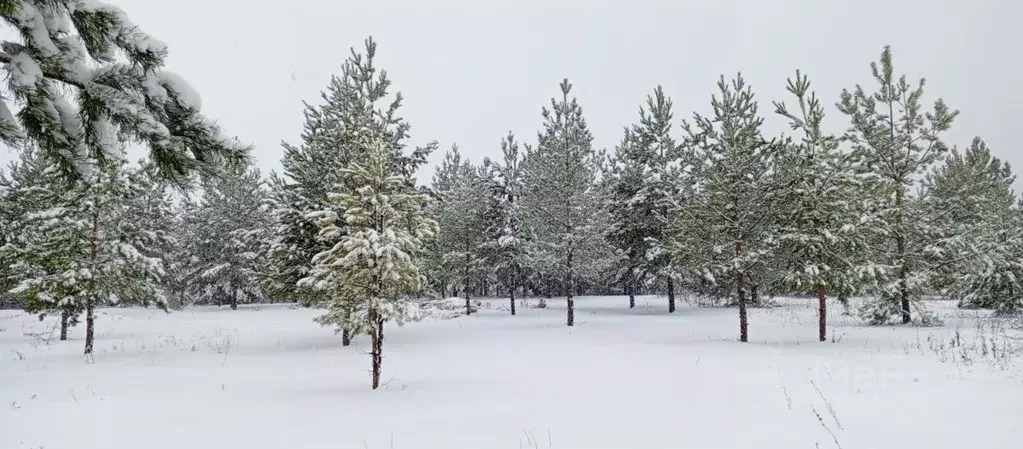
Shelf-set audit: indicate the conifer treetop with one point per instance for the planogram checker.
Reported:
(890, 126)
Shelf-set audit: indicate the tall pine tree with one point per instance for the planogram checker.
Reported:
(508, 187)
(735, 195)
(644, 193)
(898, 141)
(357, 102)
(371, 271)
(820, 240)
(227, 227)
(970, 202)
(80, 247)
(461, 214)
(563, 203)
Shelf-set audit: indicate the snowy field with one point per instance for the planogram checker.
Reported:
(268, 377)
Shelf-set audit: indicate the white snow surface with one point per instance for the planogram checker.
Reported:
(268, 377)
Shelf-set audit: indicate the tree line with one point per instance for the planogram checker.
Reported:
(886, 210)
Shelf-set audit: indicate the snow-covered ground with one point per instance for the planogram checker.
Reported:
(268, 377)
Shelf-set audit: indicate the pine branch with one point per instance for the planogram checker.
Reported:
(6, 59)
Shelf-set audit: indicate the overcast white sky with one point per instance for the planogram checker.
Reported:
(472, 70)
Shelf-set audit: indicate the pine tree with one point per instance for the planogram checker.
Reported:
(508, 188)
(179, 257)
(82, 248)
(371, 272)
(898, 141)
(563, 203)
(228, 225)
(152, 210)
(440, 274)
(735, 194)
(86, 78)
(643, 194)
(627, 213)
(970, 201)
(357, 102)
(31, 186)
(818, 233)
(462, 215)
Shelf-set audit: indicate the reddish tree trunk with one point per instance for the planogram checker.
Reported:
(671, 295)
(63, 326)
(822, 312)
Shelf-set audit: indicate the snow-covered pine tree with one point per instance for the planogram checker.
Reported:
(563, 204)
(898, 141)
(461, 215)
(542, 272)
(356, 101)
(820, 242)
(371, 271)
(31, 185)
(439, 276)
(656, 193)
(83, 249)
(86, 78)
(490, 231)
(152, 211)
(228, 226)
(735, 195)
(970, 202)
(179, 258)
(508, 188)
(629, 215)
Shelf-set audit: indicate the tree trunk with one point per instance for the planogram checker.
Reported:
(63, 325)
(512, 294)
(465, 284)
(900, 243)
(671, 295)
(234, 297)
(512, 287)
(755, 294)
(632, 296)
(822, 312)
(90, 296)
(90, 321)
(378, 349)
(568, 288)
(743, 319)
(346, 337)
(571, 310)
